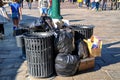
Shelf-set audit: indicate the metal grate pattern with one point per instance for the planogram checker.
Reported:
(83, 31)
(39, 54)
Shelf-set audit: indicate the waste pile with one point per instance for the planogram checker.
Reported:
(71, 45)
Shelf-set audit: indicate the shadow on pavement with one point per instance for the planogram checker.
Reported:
(11, 62)
(110, 55)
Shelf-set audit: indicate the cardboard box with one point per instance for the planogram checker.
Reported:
(86, 64)
(95, 52)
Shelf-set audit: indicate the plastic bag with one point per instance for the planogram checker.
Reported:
(64, 42)
(66, 64)
(82, 49)
(94, 46)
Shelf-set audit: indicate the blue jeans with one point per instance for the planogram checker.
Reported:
(43, 10)
(80, 4)
(104, 4)
(93, 5)
(29, 5)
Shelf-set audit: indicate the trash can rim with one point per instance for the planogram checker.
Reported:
(36, 35)
(83, 26)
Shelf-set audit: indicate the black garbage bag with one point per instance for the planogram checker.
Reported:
(64, 42)
(82, 48)
(42, 24)
(66, 64)
(45, 22)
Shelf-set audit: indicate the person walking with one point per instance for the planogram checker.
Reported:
(113, 4)
(16, 13)
(21, 3)
(3, 18)
(80, 2)
(43, 6)
(104, 4)
(50, 8)
(29, 3)
(118, 4)
(97, 3)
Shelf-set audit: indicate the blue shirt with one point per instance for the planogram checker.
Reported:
(15, 7)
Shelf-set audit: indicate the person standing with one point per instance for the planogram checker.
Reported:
(113, 4)
(21, 3)
(104, 4)
(16, 13)
(29, 3)
(43, 6)
(97, 2)
(3, 18)
(80, 3)
(50, 8)
(118, 4)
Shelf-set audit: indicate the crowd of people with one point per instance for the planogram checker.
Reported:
(97, 4)
(16, 12)
(100, 4)
(44, 7)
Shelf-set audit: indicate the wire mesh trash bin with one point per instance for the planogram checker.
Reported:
(21, 43)
(83, 31)
(39, 53)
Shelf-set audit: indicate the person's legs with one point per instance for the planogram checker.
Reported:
(2, 28)
(45, 11)
(80, 4)
(15, 23)
(119, 5)
(41, 11)
(97, 6)
(111, 5)
(30, 4)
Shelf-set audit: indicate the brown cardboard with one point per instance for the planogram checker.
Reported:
(86, 64)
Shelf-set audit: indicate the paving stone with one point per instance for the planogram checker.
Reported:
(63, 78)
(99, 75)
(115, 66)
(6, 78)
(20, 77)
(107, 58)
(8, 72)
(115, 74)
(13, 60)
(106, 27)
(82, 76)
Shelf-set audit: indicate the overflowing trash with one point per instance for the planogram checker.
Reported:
(73, 47)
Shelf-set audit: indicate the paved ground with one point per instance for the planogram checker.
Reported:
(107, 27)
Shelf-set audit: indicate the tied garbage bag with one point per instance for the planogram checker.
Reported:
(82, 49)
(64, 42)
(94, 45)
(66, 64)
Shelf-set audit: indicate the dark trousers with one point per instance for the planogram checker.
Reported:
(97, 5)
(2, 28)
(113, 5)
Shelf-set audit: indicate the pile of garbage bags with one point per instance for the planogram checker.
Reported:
(68, 50)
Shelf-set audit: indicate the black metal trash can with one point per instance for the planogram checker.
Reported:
(83, 31)
(39, 53)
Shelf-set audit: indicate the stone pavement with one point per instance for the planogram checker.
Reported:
(107, 27)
